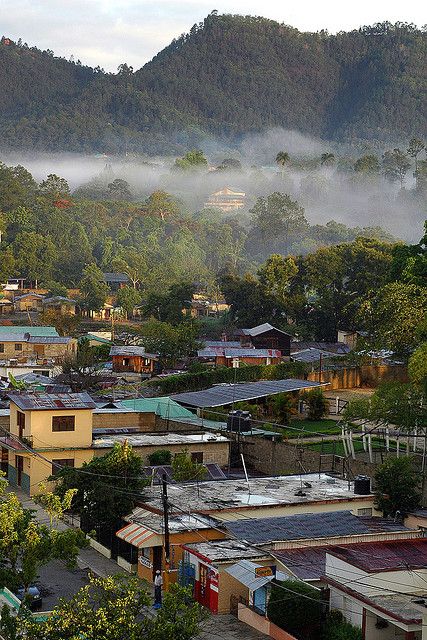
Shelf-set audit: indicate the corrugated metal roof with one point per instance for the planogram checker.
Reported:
(313, 355)
(225, 550)
(52, 401)
(162, 406)
(309, 525)
(115, 277)
(262, 328)
(244, 572)
(240, 352)
(307, 563)
(384, 556)
(49, 340)
(224, 394)
(32, 330)
(132, 350)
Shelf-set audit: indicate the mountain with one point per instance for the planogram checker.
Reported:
(227, 76)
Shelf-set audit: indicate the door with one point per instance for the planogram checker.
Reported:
(19, 469)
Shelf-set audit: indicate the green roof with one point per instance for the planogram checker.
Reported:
(90, 336)
(162, 406)
(33, 331)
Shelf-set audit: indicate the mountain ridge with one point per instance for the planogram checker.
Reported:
(228, 76)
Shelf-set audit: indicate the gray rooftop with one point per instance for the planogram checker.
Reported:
(226, 550)
(116, 277)
(262, 328)
(148, 440)
(244, 572)
(309, 525)
(51, 401)
(313, 355)
(131, 350)
(32, 330)
(276, 491)
(223, 394)
(181, 522)
(241, 352)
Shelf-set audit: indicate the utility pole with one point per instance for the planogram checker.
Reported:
(166, 527)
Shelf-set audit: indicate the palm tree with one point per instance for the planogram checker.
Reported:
(282, 159)
(327, 159)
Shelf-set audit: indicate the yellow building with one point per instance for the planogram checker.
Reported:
(226, 199)
(47, 432)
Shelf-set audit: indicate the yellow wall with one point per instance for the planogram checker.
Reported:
(176, 551)
(39, 469)
(38, 425)
(41, 351)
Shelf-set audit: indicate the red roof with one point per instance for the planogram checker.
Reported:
(385, 556)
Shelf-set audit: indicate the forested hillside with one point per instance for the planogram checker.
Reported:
(228, 76)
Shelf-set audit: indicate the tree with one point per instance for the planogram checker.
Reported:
(127, 299)
(54, 187)
(367, 165)
(133, 263)
(81, 370)
(170, 306)
(64, 323)
(184, 469)
(171, 343)
(107, 489)
(395, 166)
(35, 256)
(392, 315)
(417, 366)
(75, 256)
(337, 628)
(397, 483)
(119, 189)
(414, 149)
(93, 288)
(161, 204)
(295, 607)
(56, 289)
(282, 159)
(327, 159)
(54, 505)
(276, 274)
(318, 404)
(112, 608)
(192, 160)
(278, 220)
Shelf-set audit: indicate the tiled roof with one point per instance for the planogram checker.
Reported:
(52, 401)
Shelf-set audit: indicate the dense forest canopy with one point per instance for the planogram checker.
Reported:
(229, 75)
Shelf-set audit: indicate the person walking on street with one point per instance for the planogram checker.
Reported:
(158, 583)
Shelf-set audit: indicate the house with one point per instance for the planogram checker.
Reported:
(116, 281)
(28, 302)
(277, 496)
(42, 354)
(235, 356)
(14, 284)
(142, 540)
(6, 306)
(56, 426)
(205, 567)
(265, 336)
(50, 430)
(133, 359)
(226, 199)
(350, 338)
(60, 303)
(98, 338)
(380, 588)
(203, 307)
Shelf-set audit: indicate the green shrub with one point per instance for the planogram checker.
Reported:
(296, 608)
(160, 457)
(337, 628)
(318, 405)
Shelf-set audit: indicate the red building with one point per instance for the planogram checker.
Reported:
(132, 359)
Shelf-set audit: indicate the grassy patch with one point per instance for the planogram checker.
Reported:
(337, 447)
(307, 428)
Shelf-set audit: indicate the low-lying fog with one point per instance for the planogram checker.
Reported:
(326, 192)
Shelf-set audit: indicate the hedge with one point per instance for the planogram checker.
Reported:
(205, 379)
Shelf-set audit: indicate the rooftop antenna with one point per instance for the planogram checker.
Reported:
(246, 473)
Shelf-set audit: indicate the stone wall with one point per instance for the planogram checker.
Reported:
(365, 376)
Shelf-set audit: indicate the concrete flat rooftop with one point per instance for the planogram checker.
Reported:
(148, 440)
(272, 491)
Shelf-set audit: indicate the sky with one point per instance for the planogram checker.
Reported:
(110, 32)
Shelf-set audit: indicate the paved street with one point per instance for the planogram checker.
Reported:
(227, 627)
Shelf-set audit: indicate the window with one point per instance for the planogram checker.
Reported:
(63, 423)
(365, 512)
(197, 456)
(62, 462)
(18, 347)
(1, 348)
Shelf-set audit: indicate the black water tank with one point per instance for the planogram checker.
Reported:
(362, 485)
(239, 421)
